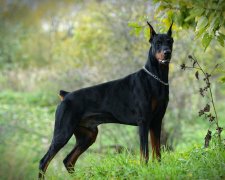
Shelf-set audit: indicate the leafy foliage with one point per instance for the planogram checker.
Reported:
(206, 17)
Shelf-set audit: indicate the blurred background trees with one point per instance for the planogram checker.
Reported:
(51, 45)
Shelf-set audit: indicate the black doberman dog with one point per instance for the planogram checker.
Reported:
(139, 99)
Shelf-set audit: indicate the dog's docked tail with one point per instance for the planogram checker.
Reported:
(62, 94)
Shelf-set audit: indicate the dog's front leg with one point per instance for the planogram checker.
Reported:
(143, 133)
(155, 141)
(155, 131)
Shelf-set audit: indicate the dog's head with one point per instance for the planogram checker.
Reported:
(161, 45)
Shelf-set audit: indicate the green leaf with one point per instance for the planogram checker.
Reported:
(138, 31)
(200, 32)
(214, 24)
(195, 12)
(223, 35)
(136, 28)
(206, 40)
(221, 38)
(202, 23)
(133, 24)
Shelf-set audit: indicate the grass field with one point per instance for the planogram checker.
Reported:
(25, 133)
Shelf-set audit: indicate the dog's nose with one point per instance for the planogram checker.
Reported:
(167, 53)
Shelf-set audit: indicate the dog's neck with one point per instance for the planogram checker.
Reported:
(160, 70)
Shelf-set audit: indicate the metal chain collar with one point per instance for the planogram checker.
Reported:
(155, 77)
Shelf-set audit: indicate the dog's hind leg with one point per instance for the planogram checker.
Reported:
(85, 137)
(64, 128)
(59, 140)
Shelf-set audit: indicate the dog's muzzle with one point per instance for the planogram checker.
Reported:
(167, 56)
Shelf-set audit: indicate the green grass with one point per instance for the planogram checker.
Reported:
(196, 163)
(26, 125)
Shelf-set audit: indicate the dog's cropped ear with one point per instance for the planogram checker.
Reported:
(152, 32)
(169, 32)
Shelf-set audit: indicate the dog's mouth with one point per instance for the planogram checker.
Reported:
(163, 58)
(164, 61)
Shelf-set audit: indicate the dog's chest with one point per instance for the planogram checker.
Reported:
(158, 104)
(159, 98)
(154, 104)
